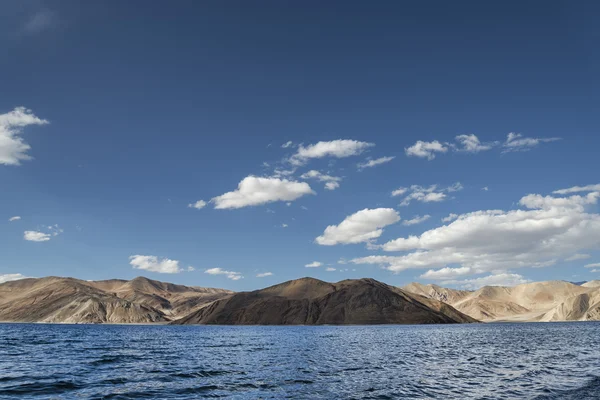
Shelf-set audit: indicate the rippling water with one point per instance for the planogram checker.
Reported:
(492, 361)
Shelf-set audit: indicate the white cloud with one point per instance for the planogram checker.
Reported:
(503, 279)
(264, 274)
(287, 144)
(284, 225)
(450, 217)
(446, 273)
(13, 149)
(595, 270)
(416, 220)
(340, 148)
(592, 265)
(35, 236)
(516, 142)
(200, 204)
(190, 269)
(578, 189)
(11, 277)
(234, 276)
(399, 191)
(314, 264)
(546, 230)
(331, 182)
(15, 218)
(362, 226)
(431, 194)
(329, 269)
(425, 149)
(578, 256)
(471, 144)
(154, 264)
(253, 191)
(375, 162)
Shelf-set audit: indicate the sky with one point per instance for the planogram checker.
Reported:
(240, 144)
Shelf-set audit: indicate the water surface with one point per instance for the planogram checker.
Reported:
(479, 361)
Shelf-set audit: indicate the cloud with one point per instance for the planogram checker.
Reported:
(340, 148)
(200, 204)
(431, 194)
(471, 144)
(578, 256)
(253, 191)
(314, 264)
(425, 149)
(485, 189)
(545, 230)
(287, 144)
(450, 217)
(399, 191)
(578, 189)
(516, 142)
(416, 220)
(191, 269)
(362, 226)
(15, 218)
(11, 277)
(284, 225)
(375, 162)
(331, 182)
(447, 273)
(154, 264)
(39, 22)
(595, 270)
(503, 279)
(330, 269)
(38, 236)
(264, 274)
(595, 265)
(234, 276)
(13, 149)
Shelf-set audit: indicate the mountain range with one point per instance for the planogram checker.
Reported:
(305, 301)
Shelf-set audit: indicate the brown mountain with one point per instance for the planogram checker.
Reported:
(69, 300)
(537, 301)
(309, 301)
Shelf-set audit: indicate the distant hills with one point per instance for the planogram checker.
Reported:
(305, 301)
(529, 302)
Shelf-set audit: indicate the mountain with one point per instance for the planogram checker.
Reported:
(537, 301)
(69, 300)
(309, 301)
(591, 284)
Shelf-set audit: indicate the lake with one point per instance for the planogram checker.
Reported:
(479, 361)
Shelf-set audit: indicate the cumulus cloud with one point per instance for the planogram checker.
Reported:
(471, 144)
(375, 162)
(253, 191)
(331, 182)
(431, 194)
(516, 142)
(287, 144)
(360, 227)
(200, 204)
(234, 276)
(425, 149)
(13, 149)
(314, 264)
(35, 236)
(417, 219)
(447, 273)
(503, 279)
(595, 265)
(155, 264)
(15, 218)
(399, 192)
(264, 274)
(11, 277)
(545, 230)
(330, 269)
(340, 148)
(578, 256)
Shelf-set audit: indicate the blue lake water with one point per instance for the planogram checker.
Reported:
(479, 361)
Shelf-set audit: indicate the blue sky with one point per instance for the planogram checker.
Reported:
(132, 111)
